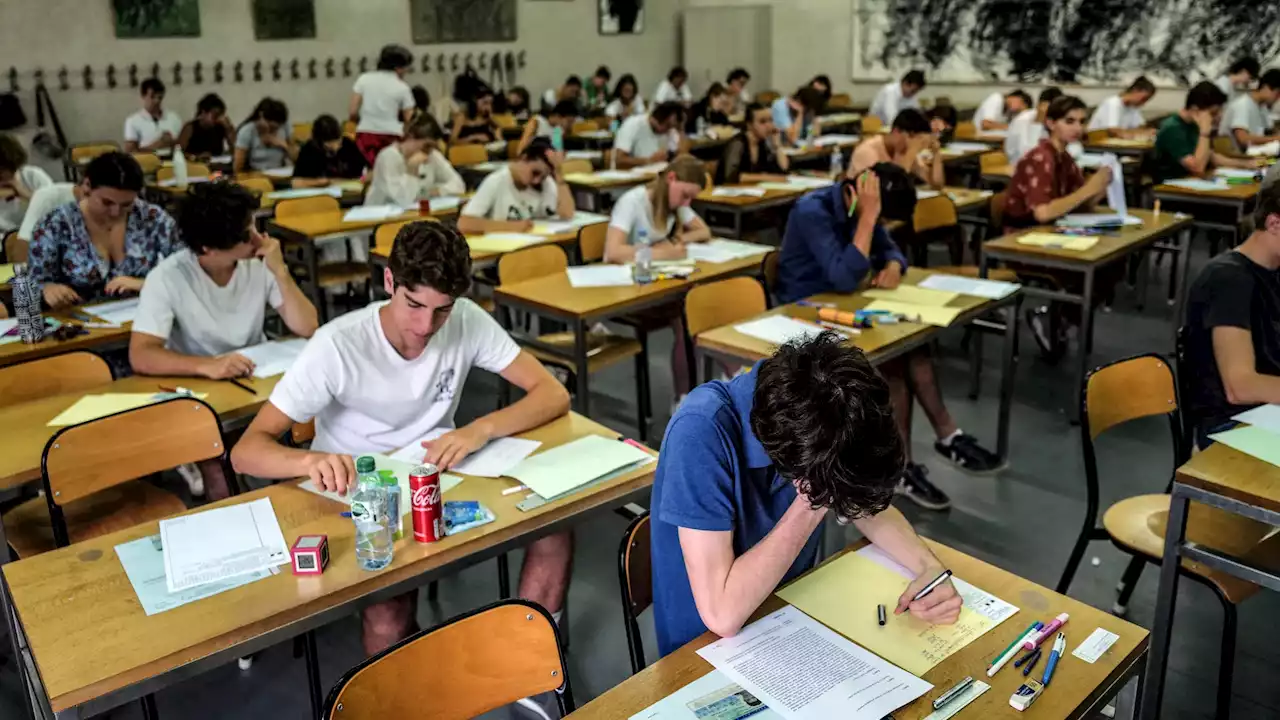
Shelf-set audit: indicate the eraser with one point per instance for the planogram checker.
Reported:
(1026, 694)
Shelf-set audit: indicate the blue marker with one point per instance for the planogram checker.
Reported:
(1059, 647)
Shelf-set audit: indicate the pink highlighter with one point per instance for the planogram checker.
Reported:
(1048, 632)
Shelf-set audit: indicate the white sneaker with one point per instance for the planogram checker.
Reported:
(245, 663)
(541, 707)
(195, 481)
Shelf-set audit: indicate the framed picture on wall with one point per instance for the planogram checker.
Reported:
(284, 19)
(157, 18)
(621, 17)
(454, 21)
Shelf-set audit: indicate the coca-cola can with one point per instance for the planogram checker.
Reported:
(427, 506)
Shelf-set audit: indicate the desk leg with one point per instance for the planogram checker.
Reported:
(1008, 373)
(976, 341)
(1166, 599)
(580, 365)
(1178, 283)
(737, 223)
(10, 626)
(1085, 341)
(311, 258)
(314, 690)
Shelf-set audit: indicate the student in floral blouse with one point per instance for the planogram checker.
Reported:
(105, 244)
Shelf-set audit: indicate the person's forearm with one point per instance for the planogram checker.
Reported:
(894, 534)
(993, 125)
(1220, 160)
(1204, 153)
(259, 454)
(291, 149)
(1251, 388)
(299, 182)
(784, 160)
(1055, 209)
(937, 171)
(298, 313)
(564, 200)
(543, 403)
(131, 146)
(625, 161)
(864, 234)
(702, 233)
(761, 177)
(162, 361)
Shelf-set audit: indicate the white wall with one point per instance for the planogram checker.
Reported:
(559, 38)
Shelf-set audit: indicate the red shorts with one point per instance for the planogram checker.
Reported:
(370, 144)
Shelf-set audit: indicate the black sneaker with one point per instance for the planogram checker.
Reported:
(965, 453)
(915, 486)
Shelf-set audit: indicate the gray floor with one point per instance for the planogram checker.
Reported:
(1023, 520)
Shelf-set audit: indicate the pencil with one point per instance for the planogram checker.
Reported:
(242, 386)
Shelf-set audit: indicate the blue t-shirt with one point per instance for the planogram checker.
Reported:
(783, 116)
(713, 474)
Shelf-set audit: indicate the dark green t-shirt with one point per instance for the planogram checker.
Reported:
(1175, 140)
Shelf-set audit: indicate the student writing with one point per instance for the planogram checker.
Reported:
(626, 99)
(736, 81)
(648, 139)
(413, 168)
(265, 140)
(475, 124)
(675, 88)
(571, 90)
(1184, 142)
(210, 134)
(1121, 115)
(897, 96)
(530, 188)
(327, 156)
(1248, 116)
(910, 135)
(712, 110)
(596, 94)
(797, 115)
(559, 120)
(19, 182)
(1027, 127)
(997, 108)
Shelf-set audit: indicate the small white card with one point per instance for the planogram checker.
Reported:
(1096, 645)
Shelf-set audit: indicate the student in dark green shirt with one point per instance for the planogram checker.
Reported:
(1184, 143)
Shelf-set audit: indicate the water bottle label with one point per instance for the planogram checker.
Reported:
(364, 513)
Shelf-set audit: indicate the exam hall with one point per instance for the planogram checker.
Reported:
(539, 359)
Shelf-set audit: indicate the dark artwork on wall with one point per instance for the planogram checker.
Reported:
(1068, 41)
(284, 19)
(453, 21)
(621, 17)
(157, 18)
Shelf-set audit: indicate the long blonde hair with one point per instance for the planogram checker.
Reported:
(686, 168)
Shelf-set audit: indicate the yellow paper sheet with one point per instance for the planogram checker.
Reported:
(1054, 240)
(929, 315)
(913, 295)
(92, 407)
(6, 272)
(843, 595)
(501, 243)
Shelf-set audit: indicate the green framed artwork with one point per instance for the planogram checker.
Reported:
(157, 18)
(284, 19)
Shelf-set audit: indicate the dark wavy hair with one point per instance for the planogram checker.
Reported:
(431, 254)
(114, 170)
(824, 417)
(215, 216)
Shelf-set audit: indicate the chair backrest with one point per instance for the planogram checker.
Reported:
(349, 128)
(472, 154)
(306, 206)
(1224, 145)
(384, 236)
(933, 213)
(88, 151)
(991, 161)
(768, 97)
(496, 655)
(302, 131)
(1094, 136)
(840, 100)
(716, 304)
(997, 210)
(15, 248)
(259, 185)
(504, 120)
(570, 167)
(529, 263)
(871, 124)
(584, 126)
(513, 149)
(66, 373)
(591, 242)
(966, 129)
(194, 170)
(1128, 389)
(149, 162)
(635, 576)
(302, 433)
(771, 270)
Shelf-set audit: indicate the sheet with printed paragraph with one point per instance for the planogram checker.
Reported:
(219, 544)
(925, 314)
(92, 407)
(274, 357)
(293, 193)
(1078, 243)
(143, 563)
(502, 242)
(718, 250)
(779, 329)
(990, 289)
(1096, 645)
(397, 465)
(803, 670)
(912, 294)
(711, 697)
(600, 275)
(117, 312)
(844, 593)
(564, 469)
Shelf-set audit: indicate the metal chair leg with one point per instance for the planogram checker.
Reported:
(314, 689)
(1077, 554)
(1227, 661)
(149, 711)
(1128, 582)
(504, 577)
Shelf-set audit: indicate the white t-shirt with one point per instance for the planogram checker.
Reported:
(1113, 114)
(1244, 113)
(1025, 132)
(13, 209)
(498, 198)
(365, 397)
(542, 127)
(383, 99)
(889, 101)
(143, 129)
(991, 109)
(633, 213)
(637, 138)
(183, 305)
(392, 184)
(667, 93)
(615, 109)
(43, 201)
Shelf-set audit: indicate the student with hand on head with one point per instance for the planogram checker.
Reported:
(750, 468)
(381, 378)
(1247, 118)
(648, 139)
(210, 133)
(675, 88)
(1239, 77)
(571, 90)
(834, 242)
(1121, 115)
(626, 99)
(382, 102)
(995, 111)
(475, 124)
(518, 103)
(908, 137)
(736, 81)
(942, 120)
(754, 155)
(18, 183)
(152, 127)
(895, 97)
(413, 168)
(1184, 143)
(510, 199)
(797, 116)
(265, 140)
(713, 109)
(561, 117)
(421, 99)
(1027, 127)
(822, 84)
(596, 94)
(327, 156)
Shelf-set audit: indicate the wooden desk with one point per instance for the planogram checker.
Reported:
(1079, 689)
(1237, 198)
(352, 194)
(97, 339)
(89, 646)
(996, 140)
(552, 296)
(1119, 146)
(881, 343)
(738, 206)
(1110, 249)
(381, 253)
(599, 189)
(813, 154)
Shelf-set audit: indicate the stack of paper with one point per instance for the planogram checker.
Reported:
(366, 213)
(583, 155)
(912, 295)
(117, 312)
(779, 329)
(1088, 220)
(274, 357)
(564, 469)
(579, 219)
(143, 562)
(444, 202)
(292, 193)
(502, 242)
(922, 194)
(738, 192)
(1235, 173)
(1199, 184)
(495, 459)
(227, 542)
(599, 275)
(991, 289)
(1260, 438)
(1078, 243)
(282, 172)
(718, 250)
(1269, 149)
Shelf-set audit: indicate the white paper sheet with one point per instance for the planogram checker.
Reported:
(1089, 220)
(805, 671)
(738, 192)
(650, 169)
(444, 202)
(487, 166)
(293, 193)
(616, 175)
(497, 457)
(834, 139)
(778, 329)
(222, 543)
(1198, 184)
(711, 697)
(281, 172)
(173, 182)
(1096, 645)
(364, 213)
(220, 160)
(990, 289)
(143, 562)
(1115, 189)
(1235, 173)
(564, 469)
(583, 155)
(117, 312)
(718, 250)
(960, 148)
(1263, 416)
(274, 357)
(601, 275)
(922, 194)
(595, 134)
(1272, 149)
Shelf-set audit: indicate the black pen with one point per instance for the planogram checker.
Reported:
(242, 386)
(1035, 658)
(933, 585)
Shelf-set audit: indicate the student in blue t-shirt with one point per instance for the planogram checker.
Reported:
(749, 469)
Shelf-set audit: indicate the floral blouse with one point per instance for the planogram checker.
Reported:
(61, 251)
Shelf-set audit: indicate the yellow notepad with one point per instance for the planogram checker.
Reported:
(501, 242)
(927, 314)
(913, 294)
(92, 407)
(1062, 242)
(6, 272)
(843, 595)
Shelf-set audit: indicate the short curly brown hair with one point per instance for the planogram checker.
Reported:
(432, 254)
(12, 156)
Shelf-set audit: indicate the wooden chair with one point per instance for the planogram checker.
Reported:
(497, 655)
(993, 162)
(723, 302)
(259, 185)
(301, 434)
(1140, 387)
(504, 121)
(513, 149)
(570, 167)
(635, 576)
(15, 248)
(1096, 136)
(768, 97)
(591, 241)
(295, 207)
(771, 274)
(71, 372)
(302, 131)
(585, 126)
(149, 162)
(840, 100)
(347, 274)
(472, 154)
(966, 129)
(603, 349)
(871, 124)
(996, 225)
(935, 219)
(194, 170)
(83, 152)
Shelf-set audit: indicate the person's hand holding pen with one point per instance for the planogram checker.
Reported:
(939, 606)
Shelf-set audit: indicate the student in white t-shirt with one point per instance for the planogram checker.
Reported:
(1027, 128)
(1239, 77)
(995, 111)
(381, 378)
(42, 202)
(895, 97)
(626, 99)
(558, 122)
(18, 182)
(675, 88)
(413, 168)
(152, 127)
(1121, 115)
(648, 139)
(530, 188)
(1247, 118)
(207, 301)
(571, 90)
(381, 102)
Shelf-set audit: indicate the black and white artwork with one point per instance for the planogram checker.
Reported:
(457, 21)
(284, 19)
(1088, 42)
(621, 17)
(156, 18)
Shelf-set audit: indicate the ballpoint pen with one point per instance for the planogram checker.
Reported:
(1059, 647)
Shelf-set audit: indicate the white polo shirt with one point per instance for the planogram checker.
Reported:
(890, 101)
(667, 93)
(1025, 132)
(383, 99)
(1245, 113)
(1113, 114)
(143, 129)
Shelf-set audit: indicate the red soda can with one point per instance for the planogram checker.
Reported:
(427, 506)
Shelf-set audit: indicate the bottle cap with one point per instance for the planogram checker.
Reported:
(365, 464)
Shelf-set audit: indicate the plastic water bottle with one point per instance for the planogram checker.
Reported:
(837, 163)
(394, 509)
(179, 167)
(614, 125)
(557, 139)
(26, 304)
(369, 512)
(643, 268)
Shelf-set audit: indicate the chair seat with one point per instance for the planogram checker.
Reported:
(603, 350)
(30, 531)
(1138, 524)
(343, 273)
(1000, 274)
